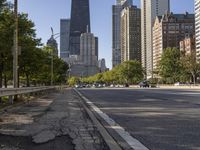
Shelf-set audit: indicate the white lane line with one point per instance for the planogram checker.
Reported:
(134, 143)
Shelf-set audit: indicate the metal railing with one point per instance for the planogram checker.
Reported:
(19, 91)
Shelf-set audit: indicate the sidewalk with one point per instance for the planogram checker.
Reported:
(53, 122)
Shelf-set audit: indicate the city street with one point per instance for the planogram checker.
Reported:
(161, 119)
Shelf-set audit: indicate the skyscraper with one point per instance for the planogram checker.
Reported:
(64, 38)
(116, 17)
(52, 43)
(131, 34)
(80, 23)
(197, 26)
(88, 56)
(150, 9)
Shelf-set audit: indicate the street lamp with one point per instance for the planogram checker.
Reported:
(15, 47)
(52, 43)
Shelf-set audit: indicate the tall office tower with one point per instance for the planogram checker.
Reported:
(116, 17)
(80, 22)
(149, 10)
(52, 43)
(168, 31)
(64, 38)
(97, 47)
(102, 65)
(197, 26)
(88, 49)
(88, 56)
(131, 34)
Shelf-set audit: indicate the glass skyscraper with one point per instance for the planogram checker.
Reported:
(80, 23)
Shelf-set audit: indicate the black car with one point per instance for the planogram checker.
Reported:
(144, 84)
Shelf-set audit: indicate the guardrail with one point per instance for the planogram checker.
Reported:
(19, 91)
(11, 92)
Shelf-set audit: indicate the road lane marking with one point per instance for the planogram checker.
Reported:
(132, 142)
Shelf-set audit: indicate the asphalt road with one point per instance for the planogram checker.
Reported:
(161, 119)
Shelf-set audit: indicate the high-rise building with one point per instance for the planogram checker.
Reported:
(88, 56)
(79, 23)
(168, 31)
(52, 43)
(131, 34)
(87, 49)
(64, 38)
(149, 10)
(102, 65)
(97, 47)
(197, 26)
(116, 17)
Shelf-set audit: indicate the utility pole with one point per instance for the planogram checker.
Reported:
(15, 47)
(52, 67)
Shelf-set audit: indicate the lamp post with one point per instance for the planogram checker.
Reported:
(15, 47)
(52, 43)
(52, 67)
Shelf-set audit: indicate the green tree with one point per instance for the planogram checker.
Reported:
(6, 42)
(170, 66)
(191, 66)
(73, 81)
(131, 71)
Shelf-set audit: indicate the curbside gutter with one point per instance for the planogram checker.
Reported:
(117, 133)
(109, 140)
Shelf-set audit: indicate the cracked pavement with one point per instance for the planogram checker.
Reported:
(43, 121)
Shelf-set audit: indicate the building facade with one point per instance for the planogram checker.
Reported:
(64, 38)
(116, 34)
(149, 10)
(52, 43)
(131, 34)
(80, 23)
(168, 31)
(88, 56)
(102, 65)
(97, 47)
(197, 26)
(87, 49)
(188, 46)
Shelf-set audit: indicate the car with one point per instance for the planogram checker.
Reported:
(179, 84)
(144, 84)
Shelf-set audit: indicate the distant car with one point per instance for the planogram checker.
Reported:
(126, 85)
(144, 84)
(112, 85)
(179, 84)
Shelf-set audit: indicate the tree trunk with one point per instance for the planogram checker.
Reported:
(27, 80)
(1, 75)
(194, 79)
(5, 81)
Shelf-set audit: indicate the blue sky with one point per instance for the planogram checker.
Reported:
(47, 13)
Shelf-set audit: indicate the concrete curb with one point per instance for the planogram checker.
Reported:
(111, 143)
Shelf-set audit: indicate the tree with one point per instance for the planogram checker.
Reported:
(191, 66)
(127, 72)
(6, 41)
(34, 62)
(131, 71)
(170, 66)
(73, 81)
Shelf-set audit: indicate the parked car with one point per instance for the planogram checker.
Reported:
(179, 84)
(144, 84)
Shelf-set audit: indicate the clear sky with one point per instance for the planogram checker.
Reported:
(47, 13)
